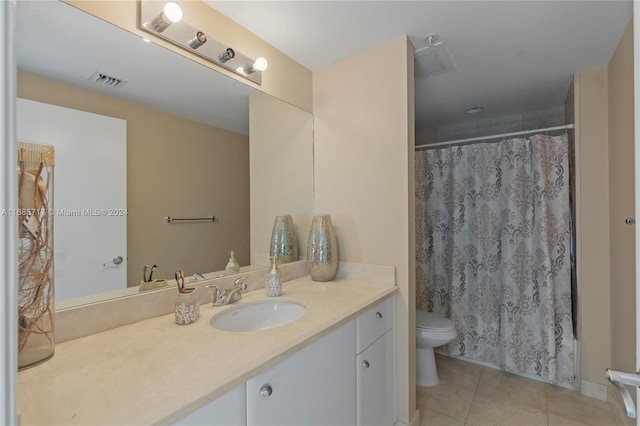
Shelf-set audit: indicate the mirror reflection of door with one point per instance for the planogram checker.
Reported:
(89, 198)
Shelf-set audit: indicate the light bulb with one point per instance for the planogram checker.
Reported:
(169, 15)
(173, 12)
(260, 64)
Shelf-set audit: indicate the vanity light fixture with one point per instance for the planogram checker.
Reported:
(171, 13)
(165, 20)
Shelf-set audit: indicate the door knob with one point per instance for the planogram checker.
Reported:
(365, 364)
(378, 315)
(116, 261)
(619, 379)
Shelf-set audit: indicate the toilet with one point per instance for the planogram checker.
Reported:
(432, 330)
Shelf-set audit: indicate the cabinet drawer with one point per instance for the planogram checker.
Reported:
(373, 324)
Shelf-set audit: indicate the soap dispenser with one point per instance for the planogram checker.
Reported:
(273, 284)
(232, 267)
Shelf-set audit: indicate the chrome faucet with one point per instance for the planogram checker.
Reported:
(230, 295)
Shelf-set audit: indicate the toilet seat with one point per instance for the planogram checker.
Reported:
(430, 321)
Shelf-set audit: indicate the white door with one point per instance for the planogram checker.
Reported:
(90, 195)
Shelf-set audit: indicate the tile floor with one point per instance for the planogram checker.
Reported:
(470, 394)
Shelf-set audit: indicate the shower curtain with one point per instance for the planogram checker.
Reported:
(493, 226)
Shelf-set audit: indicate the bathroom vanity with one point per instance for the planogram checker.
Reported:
(338, 355)
(298, 390)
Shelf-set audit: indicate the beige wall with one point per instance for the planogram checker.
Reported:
(175, 167)
(622, 204)
(363, 125)
(592, 214)
(285, 79)
(605, 198)
(281, 163)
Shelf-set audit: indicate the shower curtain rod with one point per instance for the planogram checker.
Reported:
(503, 135)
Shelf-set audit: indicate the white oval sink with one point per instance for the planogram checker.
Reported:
(256, 316)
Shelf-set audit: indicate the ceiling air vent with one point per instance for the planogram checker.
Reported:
(106, 80)
(434, 59)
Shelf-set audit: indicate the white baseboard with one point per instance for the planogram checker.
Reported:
(594, 390)
(415, 421)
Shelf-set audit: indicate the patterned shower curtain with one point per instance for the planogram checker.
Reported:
(493, 243)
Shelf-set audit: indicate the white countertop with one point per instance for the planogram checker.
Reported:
(155, 371)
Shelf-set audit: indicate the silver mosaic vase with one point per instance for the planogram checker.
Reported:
(284, 242)
(322, 253)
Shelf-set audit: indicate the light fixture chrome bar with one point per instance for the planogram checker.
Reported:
(503, 135)
(196, 41)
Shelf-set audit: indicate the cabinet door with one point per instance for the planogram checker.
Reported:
(314, 386)
(228, 410)
(374, 368)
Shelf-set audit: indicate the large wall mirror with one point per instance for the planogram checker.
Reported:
(189, 150)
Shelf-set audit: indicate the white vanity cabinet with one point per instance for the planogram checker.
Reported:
(314, 386)
(320, 384)
(374, 366)
(228, 410)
